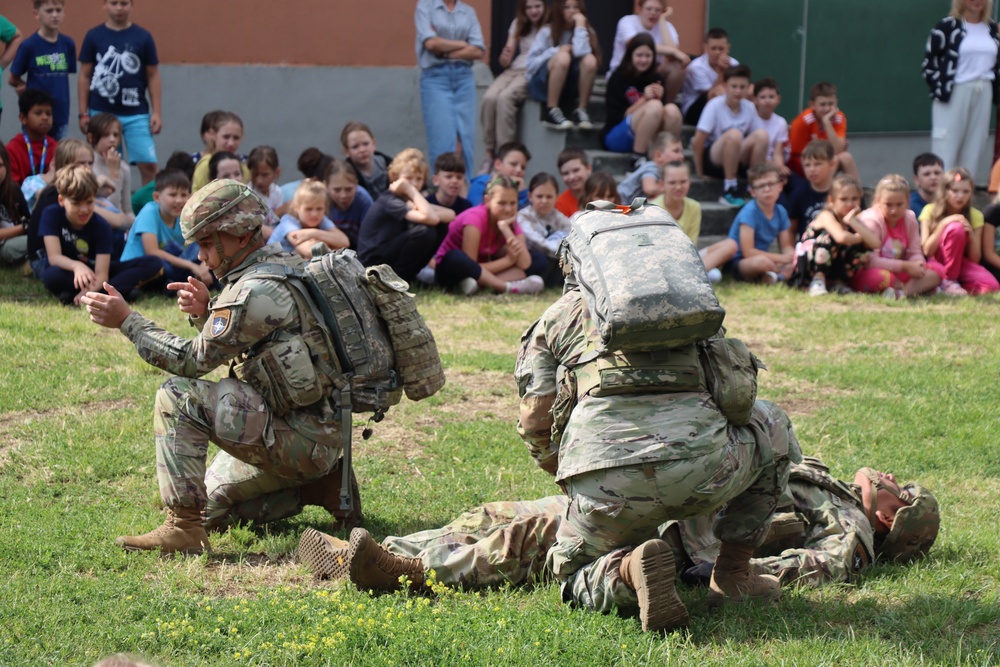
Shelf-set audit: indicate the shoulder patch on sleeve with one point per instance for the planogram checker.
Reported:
(220, 322)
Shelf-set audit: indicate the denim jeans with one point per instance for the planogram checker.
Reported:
(448, 103)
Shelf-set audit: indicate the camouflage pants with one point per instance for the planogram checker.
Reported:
(494, 544)
(262, 462)
(616, 509)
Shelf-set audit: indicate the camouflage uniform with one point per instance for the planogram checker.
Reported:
(264, 457)
(631, 461)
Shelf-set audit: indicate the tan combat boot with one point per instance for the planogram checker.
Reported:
(327, 556)
(649, 571)
(181, 532)
(373, 568)
(733, 578)
(325, 492)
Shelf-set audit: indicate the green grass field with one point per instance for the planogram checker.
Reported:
(905, 387)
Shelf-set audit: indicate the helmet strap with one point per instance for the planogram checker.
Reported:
(226, 261)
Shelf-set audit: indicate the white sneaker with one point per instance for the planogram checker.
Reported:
(468, 286)
(818, 286)
(892, 293)
(529, 285)
(714, 276)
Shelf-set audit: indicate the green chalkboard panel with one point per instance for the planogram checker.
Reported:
(870, 50)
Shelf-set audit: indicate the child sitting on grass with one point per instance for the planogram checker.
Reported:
(511, 161)
(306, 222)
(362, 153)
(685, 211)
(574, 169)
(157, 231)
(951, 231)
(449, 180)
(760, 223)
(265, 170)
(544, 227)
(485, 247)
(78, 244)
(349, 202)
(835, 244)
(13, 217)
(898, 267)
(927, 172)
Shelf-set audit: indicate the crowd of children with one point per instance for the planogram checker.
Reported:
(67, 206)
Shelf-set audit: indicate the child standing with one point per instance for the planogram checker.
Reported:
(402, 229)
(927, 171)
(362, 153)
(766, 98)
(45, 60)
(758, 224)
(104, 134)
(822, 120)
(485, 247)
(897, 268)
(726, 139)
(646, 181)
(349, 202)
(951, 231)
(264, 172)
(562, 65)
(78, 244)
(157, 232)
(685, 211)
(835, 244)
(31, 151)
(636, 110)
(501, 101)
(118, 66)
(544, 227)
(226, 136)
(809, 195)
(511, 162)
(306, 223)
(574, 168)
(13, 217)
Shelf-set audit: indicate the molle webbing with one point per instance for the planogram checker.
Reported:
(662, 371)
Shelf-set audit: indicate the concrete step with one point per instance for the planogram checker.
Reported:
(705, 240)
(716, 218)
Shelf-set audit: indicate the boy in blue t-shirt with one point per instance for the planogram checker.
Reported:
(758, 224)
(928, 169)
(156, 231)
(78, 244)
(47, 58)
(511, 161)
(118, 66)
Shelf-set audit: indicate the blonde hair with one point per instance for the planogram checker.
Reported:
(67, 150)
(939, 208)
(408, 158)
(76, 182)
(958, 10)
(892, 183)
(309, 190)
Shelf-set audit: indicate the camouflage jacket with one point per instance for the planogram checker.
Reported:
(604, 431)
(242, 320)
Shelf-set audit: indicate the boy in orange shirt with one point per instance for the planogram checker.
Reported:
(822, 120)
(574, 168)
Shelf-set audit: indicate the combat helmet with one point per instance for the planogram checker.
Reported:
(914, 528)
(224, 205)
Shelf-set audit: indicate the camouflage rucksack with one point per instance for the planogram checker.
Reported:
(641, 278)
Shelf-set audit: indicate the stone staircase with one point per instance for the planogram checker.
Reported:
(546, 143)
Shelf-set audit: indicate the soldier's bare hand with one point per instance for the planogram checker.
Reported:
(192, 296)
(109, 310)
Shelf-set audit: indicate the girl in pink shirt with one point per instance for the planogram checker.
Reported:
(898, 267)
(486, 248)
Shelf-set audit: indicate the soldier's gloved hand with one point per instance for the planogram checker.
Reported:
(698, 575)
(109, 310)
(192, 296)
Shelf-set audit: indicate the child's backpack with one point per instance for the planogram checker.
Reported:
(641, 278)
(371, 325)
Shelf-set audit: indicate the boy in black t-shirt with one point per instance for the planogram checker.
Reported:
(78, 244)
(808, 198)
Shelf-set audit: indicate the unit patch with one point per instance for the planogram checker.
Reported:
(220, 322)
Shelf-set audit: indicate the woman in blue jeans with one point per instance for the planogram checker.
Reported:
(449, 40)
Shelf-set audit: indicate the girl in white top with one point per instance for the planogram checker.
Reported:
(651, 17)
(501, 101)
(544, 227)
(104, 134)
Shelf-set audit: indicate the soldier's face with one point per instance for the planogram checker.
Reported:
(209, 254)
(887, 503)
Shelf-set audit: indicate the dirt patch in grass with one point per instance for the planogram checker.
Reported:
(245, 578)
(799, 398)
(15, 420)
(482, 394)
